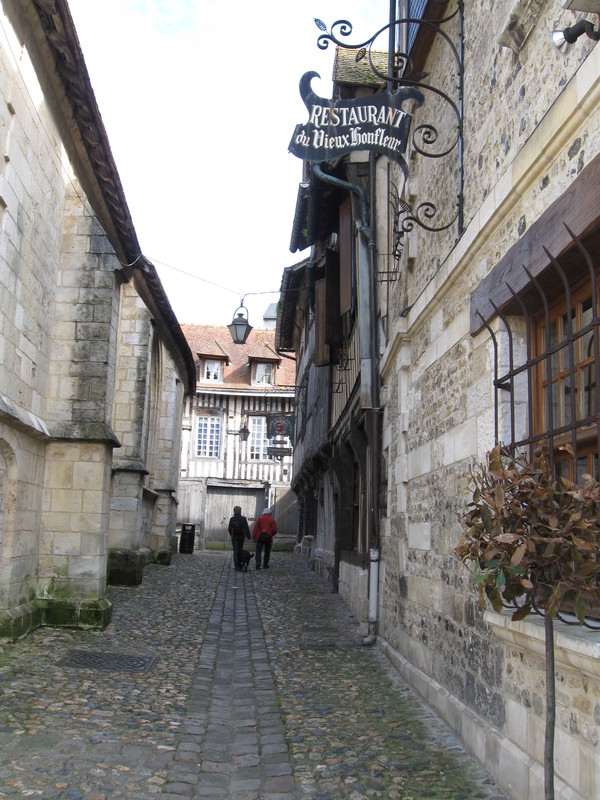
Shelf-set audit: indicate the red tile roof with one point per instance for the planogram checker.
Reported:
(213, 341)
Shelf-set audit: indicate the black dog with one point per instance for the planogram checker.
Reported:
(245, 557)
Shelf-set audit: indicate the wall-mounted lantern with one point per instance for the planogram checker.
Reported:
(563, 39)
(243, 433)
(240, 327)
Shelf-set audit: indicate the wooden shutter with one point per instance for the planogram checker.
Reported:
(333, 321)
(346, 238)
(322, 353)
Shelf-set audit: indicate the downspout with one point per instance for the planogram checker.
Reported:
(369, 370)
(374, 418)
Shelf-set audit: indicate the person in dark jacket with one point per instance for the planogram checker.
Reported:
(239, 531)
(263, 532)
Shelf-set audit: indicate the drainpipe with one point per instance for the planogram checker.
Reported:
(374, 415)
(373, 596)
(369, 370)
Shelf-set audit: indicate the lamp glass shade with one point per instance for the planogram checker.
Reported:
(244, 433)
(239, 329)
(559, 41)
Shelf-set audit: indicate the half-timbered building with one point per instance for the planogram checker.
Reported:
(232, 453)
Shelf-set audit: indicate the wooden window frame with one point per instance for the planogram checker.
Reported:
(322, 354)
(259, 365)
(565, 378)
(205, 365)
(258, 444)
(563, 364)
(211, 423)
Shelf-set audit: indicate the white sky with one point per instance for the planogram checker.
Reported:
(200, 99)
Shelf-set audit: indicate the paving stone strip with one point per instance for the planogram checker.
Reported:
(233, 743)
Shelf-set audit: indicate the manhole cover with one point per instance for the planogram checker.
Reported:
(108, 661)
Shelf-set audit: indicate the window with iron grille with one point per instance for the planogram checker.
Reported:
(546, 363)
(551, 365)
(565, 385)
(209, 437)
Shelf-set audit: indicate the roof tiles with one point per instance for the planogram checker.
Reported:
(212, 341)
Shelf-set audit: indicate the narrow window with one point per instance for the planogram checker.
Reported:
(264, 374)
(346, 278)
(259, 440)
(212, 371)
(209, 437)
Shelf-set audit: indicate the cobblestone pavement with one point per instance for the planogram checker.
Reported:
(146, 707)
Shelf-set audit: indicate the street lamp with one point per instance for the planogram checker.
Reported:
(244, 433)
(240, 327)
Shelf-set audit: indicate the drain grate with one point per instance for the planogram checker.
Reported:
(119, 662)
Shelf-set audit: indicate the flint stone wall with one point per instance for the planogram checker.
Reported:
(530, 128)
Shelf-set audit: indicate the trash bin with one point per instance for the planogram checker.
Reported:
(186, 540)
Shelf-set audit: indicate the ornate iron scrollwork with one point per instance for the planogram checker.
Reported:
(426, 138)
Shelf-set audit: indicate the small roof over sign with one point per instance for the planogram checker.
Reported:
(346, 69)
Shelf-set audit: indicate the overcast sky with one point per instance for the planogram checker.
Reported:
(200, 99)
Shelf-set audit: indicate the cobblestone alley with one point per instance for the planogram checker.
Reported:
(214, 684)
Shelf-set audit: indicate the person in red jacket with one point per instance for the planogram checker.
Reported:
(263, 532)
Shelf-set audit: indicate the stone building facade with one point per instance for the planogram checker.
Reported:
(240, 387)
(94, 367)
(461, 330)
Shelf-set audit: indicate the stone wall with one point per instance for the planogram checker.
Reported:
(52, 373)
(32, 193)
(147, 419)
(129, 513)
(531, 124)
(75, 365)
(167, 457)
(21, 471)
(353, 587)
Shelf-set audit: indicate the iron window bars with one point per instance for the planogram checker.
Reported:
(560, 370)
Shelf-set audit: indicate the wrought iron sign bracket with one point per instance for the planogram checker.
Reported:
(402, 75)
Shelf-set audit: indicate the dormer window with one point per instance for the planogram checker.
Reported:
(264, 374)
(213, 371)
(212, 360)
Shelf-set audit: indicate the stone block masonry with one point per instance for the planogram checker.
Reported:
(75, 511)
(81, 355)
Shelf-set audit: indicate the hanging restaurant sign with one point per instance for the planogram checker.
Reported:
(338, 127)
(279, 452)
(281, 425)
